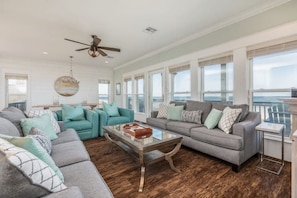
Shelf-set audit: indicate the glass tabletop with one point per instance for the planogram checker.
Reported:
(158, 135)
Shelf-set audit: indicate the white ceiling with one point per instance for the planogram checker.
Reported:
(30, 27)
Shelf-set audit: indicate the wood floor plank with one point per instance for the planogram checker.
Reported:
(201, 176)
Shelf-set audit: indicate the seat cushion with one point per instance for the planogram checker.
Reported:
(157, 122)
(87, 178)
(69, 135)
(78, 125)
(217, 137)
(69, 153)
(117, 120)
(182, 128)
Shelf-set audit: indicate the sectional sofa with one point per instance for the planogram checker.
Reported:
(235, 147)
(81, 177)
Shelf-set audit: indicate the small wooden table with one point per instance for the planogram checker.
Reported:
(146, 151)
(271, 128)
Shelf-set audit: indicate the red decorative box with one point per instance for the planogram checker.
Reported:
(137, 131)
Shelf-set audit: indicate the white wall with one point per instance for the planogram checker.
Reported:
(42, 76)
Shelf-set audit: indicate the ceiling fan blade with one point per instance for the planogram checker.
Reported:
(110, 48)
(76, 42)
(82, 49)
(101, 52)
(96, 40)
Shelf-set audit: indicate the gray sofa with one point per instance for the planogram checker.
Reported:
(234, 148)
(69, 154)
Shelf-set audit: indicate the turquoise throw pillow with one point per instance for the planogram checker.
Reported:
(213, 118)
(174, 112)
(43, 123)
(70, 113)
(111, 109)
(33, 146)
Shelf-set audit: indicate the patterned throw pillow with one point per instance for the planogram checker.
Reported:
(162, 112)
(37, 113)
(228, 119)
(213, 119)
(36, 149)
(191, 116)
(33, 169)
(43, 140)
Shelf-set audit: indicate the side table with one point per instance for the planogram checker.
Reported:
(271, 128)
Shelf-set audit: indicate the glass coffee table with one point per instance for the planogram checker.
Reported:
(145, 150)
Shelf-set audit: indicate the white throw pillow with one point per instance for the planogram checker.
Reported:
(37, 113)
(162, 112)
(228, 118)
(34, 169)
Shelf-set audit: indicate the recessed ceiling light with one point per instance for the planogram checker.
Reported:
(106, 62)
(150, 30)
(45, 53)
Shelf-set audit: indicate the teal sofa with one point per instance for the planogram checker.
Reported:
(86, 129)
(126, 115)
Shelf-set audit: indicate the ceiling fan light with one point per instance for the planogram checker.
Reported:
(93, 53)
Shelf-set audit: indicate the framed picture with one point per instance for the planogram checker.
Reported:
(118, 88)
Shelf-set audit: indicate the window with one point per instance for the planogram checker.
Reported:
(140, 100)
(180, 83)
(16, 90)
(218, 80)
(103, 91)
(156, 89)
(274, 71)
(128, 94)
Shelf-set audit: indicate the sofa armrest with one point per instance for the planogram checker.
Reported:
(127, 113)
(71, 192)
(102, 117)
(154, 114)
(248, 125)
(92, 117)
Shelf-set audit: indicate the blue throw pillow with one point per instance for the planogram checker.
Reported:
(111, 109)
(174, 112)
(70, 113)
(213, 118)
(43, 123)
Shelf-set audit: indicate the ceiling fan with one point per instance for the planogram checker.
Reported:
(94, 49)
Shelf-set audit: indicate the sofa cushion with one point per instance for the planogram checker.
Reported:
(180, 127)
(117, 120)
(14, 115)
(111, 109)
(30, 144)
(205, 107)
(157, 122)
(213, 118)
(69, 135)
(43, 123)
(70, 113)
(32, 176)
(228, 118)
(39, 112)
(87, 178)
(244, 109)
(191, 116)
(7, 128)
(217, 137)
(174, 112)
(79, 125)
(69, 153)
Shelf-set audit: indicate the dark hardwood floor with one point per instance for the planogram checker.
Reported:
(201, 176)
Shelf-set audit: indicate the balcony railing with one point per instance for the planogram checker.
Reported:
(274, 112)
(19, 105)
